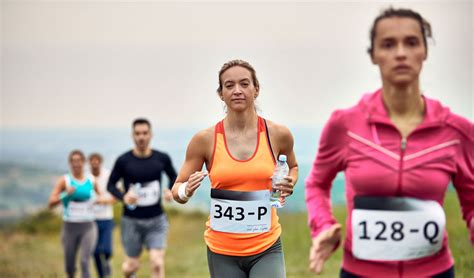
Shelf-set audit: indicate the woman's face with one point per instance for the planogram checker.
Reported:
(238, 91)
(399, 50)
(77, 163)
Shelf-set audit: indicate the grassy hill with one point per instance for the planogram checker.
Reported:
(32, 248)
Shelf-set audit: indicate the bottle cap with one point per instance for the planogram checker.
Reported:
(282, 157)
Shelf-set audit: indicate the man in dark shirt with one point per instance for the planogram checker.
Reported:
(143, 223)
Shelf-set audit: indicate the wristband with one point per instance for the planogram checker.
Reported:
(182, 192)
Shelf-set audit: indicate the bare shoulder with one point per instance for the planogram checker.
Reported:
(201, 144)
(61, 182)
(203, 137)
(200, 147)
(279, 132)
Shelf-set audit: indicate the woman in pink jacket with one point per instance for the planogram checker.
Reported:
(399, 151)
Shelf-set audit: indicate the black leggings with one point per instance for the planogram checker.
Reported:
(268, 264)
(445, 274)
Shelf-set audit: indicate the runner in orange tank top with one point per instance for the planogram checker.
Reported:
(243, 232)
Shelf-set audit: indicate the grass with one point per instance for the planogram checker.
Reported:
(32, 248)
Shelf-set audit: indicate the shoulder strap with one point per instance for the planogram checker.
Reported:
(268, 139)
(67, 178)
(219, 127)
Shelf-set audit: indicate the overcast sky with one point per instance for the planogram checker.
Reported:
(103, 63)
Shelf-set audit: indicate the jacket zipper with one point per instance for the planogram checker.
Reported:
(403, 146)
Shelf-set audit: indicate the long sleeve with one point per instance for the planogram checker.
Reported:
(329, 161)
(463, 179)
(170, 172)
(115, 176)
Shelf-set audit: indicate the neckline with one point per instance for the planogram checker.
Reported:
(256, 147)
(141, 157)
(80, 182)
(380, 113)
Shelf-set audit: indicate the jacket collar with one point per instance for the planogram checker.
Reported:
(376, 111)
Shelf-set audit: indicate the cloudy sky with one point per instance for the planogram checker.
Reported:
(103, 63)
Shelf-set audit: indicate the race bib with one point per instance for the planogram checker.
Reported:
(396, 228)
(100, 209)
(240, 212)
(79, 211)
(149, 194)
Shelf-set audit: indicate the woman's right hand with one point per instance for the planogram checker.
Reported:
(194, 182)
(70, 190)
(323, 246)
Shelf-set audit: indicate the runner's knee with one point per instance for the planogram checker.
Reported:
(157, 260)
(130, 266)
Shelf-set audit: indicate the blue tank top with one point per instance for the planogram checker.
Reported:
(78, 207)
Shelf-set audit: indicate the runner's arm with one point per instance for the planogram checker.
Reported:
(463, 181)
(170, 172)
(194, 160)
(115, 176)
(329, 161)
(55, 197)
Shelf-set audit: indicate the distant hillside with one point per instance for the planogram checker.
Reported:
(31, 160)
(23, 189)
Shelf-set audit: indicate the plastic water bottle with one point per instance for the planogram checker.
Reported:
(281, 170)
(136, 188)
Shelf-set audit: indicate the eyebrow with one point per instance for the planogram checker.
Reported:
(244, 79)
(405, 37)
(412, 37)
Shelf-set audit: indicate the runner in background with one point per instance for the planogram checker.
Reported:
(144, 223)
(76, 192)
(104, 215)
(399, 151)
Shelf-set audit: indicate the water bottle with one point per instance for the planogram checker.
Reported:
(281, 170)
(136, 188)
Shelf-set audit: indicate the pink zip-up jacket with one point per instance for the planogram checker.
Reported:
(363, 142)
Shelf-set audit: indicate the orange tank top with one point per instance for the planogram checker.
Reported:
(253, 174)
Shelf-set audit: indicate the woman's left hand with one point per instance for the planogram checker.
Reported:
(286, 186)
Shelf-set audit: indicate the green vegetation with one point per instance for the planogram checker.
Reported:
(32, 248)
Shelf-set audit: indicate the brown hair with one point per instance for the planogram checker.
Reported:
(95, 156)
(77, 152)
(240, 63)
(391, 12)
